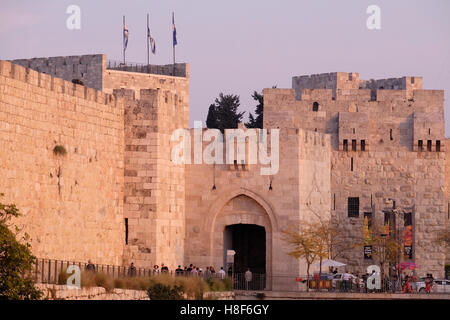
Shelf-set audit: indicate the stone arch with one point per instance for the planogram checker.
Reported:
(217, 206)
(240, 207)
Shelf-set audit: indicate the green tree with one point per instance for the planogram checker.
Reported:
(16, 260)
(211, 119)
(256, 122)
(223, 114)
(307, 242)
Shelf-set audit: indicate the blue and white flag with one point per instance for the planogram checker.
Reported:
(174, 30)
(125, 37)
(152, 41)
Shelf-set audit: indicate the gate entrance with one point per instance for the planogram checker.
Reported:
(249, 242)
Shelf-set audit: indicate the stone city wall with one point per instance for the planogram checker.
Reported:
(72, 204)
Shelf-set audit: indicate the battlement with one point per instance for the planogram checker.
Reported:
(85, 68)
(93, 70)
(348, 84)
(175, 70)
(46, 81)
(403, 83)
(333, 80)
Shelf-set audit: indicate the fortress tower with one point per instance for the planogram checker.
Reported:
(387, 142)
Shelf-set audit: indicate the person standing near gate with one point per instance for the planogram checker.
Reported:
(248, 277)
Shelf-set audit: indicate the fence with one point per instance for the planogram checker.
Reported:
(178, 70)
(48, 270)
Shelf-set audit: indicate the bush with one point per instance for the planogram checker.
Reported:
(159, 291)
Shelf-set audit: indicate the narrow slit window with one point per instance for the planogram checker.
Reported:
(428, 145)
(390, 135)
(438, 145)
(351, 164)
(363, 145)
(345, 145)
(126, 230)
(353, 145)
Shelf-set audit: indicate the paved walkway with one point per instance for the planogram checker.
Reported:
(285, 295)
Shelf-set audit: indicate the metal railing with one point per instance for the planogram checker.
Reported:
(168, 70)
(48, 270)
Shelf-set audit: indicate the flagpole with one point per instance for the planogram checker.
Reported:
(173, 44)
(123, 40)
(148, 40)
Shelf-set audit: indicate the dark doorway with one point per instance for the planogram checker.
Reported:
(249, 242)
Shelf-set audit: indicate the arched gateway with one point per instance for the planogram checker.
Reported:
(244, 222)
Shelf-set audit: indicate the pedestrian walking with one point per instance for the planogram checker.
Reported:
(248, 277)
(406, 285)
(132, 270)
(222, 273)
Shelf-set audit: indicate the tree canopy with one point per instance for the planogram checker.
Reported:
(223, 114)
(256, 122)
(16, 260)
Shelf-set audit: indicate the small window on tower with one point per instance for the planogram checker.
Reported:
(438, 145)
(420, 145)
(353, 145)
(429, 145)
(315, 106)
(353, 207)
(345, 145)
(363, 145)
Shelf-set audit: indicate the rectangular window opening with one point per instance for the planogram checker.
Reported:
(428, 145)
(353, 207)
(345, 145)
(351, 164)
(420, 144)
(353, 145)
(363, 145)
(438, 145)
(390, 135)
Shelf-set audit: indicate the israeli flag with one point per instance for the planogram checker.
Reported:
(152, 41)
(174, 30)
(125, 37)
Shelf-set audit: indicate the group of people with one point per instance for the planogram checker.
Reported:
(192, 270)
(355, 282)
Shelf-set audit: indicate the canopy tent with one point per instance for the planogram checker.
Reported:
(330, 263)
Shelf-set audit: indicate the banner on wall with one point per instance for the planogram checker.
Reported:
(367, 235)
(407, 236)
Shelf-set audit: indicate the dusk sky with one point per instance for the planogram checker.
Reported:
(241, 46)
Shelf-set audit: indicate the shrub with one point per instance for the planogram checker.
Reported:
(159, 291)
(63, 276)
(59, 150)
